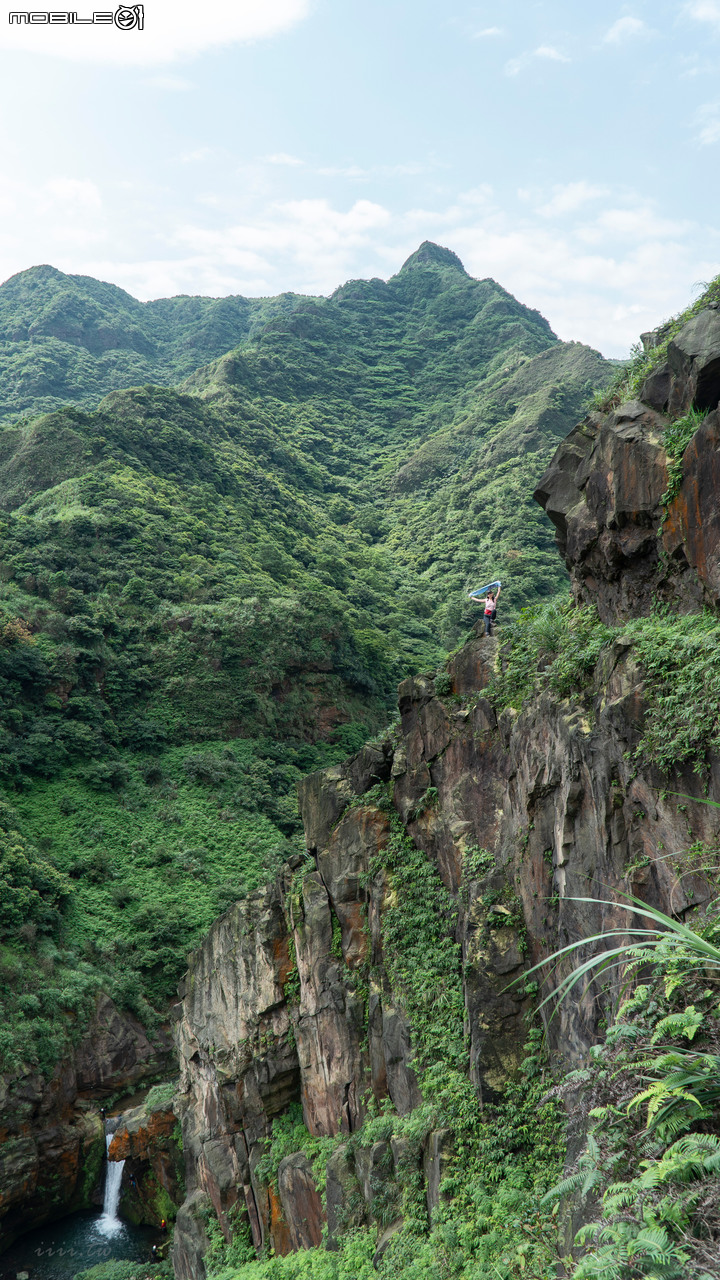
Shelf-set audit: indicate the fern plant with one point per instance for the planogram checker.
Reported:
(658, 1216)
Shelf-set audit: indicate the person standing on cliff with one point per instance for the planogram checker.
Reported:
(490, 609)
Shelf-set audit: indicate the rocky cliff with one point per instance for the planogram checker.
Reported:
(604, 491)
(525, 817)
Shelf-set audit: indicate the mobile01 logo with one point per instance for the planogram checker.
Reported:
(126, 18)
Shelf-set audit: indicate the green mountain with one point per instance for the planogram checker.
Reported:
(71, 339)
(208, 589)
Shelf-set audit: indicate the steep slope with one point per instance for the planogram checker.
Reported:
(208, 592)
(351, 1036)
(438, 399)
(72, 339)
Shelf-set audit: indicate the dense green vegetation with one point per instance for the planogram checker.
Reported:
(71, 339)
(206, 592)
(677, 437)
(121, 1270)
(648, 1176)
(555, 648)
(100, 899)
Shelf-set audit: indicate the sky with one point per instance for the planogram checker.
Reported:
(568, 150)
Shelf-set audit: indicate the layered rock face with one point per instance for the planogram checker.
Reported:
(604, 488)
(52, 1133)
(524, 816)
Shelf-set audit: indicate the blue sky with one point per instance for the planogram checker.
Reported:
(568, 150)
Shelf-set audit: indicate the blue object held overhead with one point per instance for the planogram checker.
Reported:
(480, 591)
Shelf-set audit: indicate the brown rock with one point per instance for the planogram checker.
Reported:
(139, 1134)
(693, 525)
(603, 492)
(324, 796)
(190, 1238)
(346, 1208)
(302, 1206)
(116, 1052)
(329, 1028)
(472, 668)
(694, 364)
(238, 1060)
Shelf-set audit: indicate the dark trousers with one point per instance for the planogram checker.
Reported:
(488, 624)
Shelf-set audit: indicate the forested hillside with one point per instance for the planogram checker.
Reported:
(210, 589)
(71, 339)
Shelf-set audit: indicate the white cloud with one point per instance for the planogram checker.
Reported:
(569, 198)
(351, 171)
(282, 157)
(624, 29)
(545, 52)
(704, 11)
(172, 29)
(197, 156)
(487, 32)
(549, 51)
(314, 243)
(599, 283)
(708, 121)
(60, 219)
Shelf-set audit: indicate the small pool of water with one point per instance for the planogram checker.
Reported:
(61, 1249)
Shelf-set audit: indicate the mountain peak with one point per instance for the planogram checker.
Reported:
(432, 255)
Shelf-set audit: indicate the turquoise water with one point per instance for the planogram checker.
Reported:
(59, 1250)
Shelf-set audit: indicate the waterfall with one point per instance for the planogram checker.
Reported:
(109, 1223)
